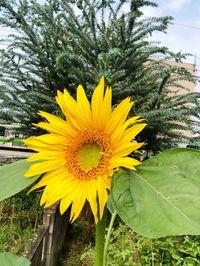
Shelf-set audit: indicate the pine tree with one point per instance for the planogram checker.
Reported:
(60, 44)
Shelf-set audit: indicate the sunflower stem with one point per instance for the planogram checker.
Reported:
(100, 240)
(114, 214)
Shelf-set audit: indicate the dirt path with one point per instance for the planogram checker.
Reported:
(14, 154)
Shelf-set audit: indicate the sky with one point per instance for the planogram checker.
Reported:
(184, 34)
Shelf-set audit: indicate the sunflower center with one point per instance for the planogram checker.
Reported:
(89, 156)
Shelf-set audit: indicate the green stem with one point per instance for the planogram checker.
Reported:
(100, 240)
(108, 238)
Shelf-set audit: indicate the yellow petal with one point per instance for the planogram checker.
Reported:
(119, 131)
(61, 102)
(72, 112)
(47, 155)
(44, 197)
(65, 203)
(102, 196)
(106, 109)
(126, 149)
(117, 136)
(47, 141)
(78, 201)
(107, 179)
(119, 115)
(47, 178)
(43, 167)
(126, 162)
(84, 106)
(60, 190)
(66, 130)
(57, 122)
(96, 104)
(92, 198)
(131, 121)
(40, 184)
(70, 108)
(132, 132)
(54, 120)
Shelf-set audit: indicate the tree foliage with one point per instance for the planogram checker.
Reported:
(60, 44)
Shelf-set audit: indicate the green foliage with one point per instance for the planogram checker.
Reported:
(15, 239)
(129, 249)
(20, 217)
(163, 196)
(169, 114)
(60, 44)
(12, 178)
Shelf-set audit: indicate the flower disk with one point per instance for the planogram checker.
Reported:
(88, 155)
(80, 154)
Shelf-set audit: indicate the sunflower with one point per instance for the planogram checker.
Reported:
(79, 155)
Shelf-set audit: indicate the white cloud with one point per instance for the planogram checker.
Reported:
(177, 4)
(125, 7)
(185, 38)
(179, 38)
(182, 39)
(152, 11)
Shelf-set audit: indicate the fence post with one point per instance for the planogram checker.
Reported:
(45, 249)
(49, 221)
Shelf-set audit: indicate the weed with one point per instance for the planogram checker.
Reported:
(129, 249)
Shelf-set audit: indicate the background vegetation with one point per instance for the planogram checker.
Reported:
(129, 249)
(19, 220)
(20, 217)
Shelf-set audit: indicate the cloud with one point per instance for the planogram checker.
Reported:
(177, 4)
(152, 11)
(179, 37)
(182, 39)
(125, 7)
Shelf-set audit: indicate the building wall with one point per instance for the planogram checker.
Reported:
(189, 87)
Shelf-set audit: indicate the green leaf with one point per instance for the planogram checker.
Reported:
(12, 179)
(163, 196)
(110, 205)
(10, 259)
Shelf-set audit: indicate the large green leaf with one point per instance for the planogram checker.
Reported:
(12, 178)
(10, 259)
(163, 196)
(110, 205)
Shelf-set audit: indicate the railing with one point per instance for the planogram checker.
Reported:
(45, 248)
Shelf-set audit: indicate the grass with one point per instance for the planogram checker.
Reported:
(15, 239)
(19, 220)
(20, 216)
(80, 235)
(129, 249)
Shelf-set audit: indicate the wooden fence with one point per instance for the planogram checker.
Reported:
(45, 248)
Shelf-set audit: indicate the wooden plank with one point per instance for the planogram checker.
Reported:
(40, 238)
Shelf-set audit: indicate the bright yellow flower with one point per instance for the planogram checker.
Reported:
(80, 154)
